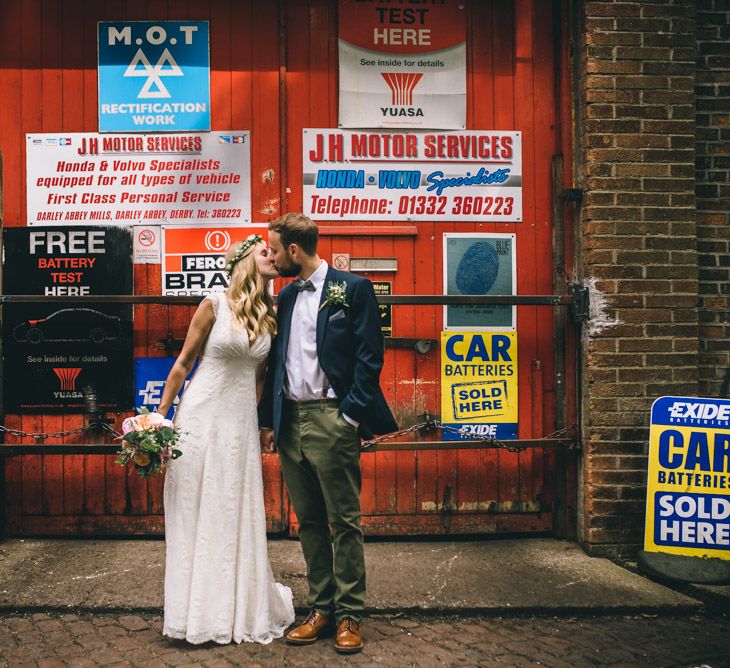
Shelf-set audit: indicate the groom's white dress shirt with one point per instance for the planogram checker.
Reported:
(304, 376)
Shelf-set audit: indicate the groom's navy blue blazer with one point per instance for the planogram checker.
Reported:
(350, 352)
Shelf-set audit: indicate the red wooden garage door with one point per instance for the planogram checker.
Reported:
(274, 72)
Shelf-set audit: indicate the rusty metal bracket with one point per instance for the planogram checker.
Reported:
(573, 195)
(169, 344)
(580, 306)
(429, 423)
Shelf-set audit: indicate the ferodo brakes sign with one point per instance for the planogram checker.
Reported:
(194, 258)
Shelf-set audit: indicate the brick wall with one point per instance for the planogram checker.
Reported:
(637, 246)
(712, 94)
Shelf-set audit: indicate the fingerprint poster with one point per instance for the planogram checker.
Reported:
(479, 264)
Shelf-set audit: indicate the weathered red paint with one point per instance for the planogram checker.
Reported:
(274, 89)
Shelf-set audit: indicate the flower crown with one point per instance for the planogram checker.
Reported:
(250, 241)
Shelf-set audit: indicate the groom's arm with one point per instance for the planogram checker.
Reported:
(266, 405)
(266, 401)
(368, 343)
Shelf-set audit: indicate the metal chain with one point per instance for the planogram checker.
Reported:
(434, 424)
(106, 427)
(429, 424)
(402, 432)
(43, 435)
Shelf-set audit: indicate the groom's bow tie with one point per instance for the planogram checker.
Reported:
(300, 285)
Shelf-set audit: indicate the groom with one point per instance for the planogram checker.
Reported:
(322, 394)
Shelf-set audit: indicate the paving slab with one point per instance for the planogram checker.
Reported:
(46, 640)
(516, 576)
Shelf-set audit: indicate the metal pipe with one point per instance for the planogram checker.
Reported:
(519, 300)
(283, 163)
(13, 450)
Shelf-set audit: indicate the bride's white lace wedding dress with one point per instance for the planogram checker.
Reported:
(218, 582)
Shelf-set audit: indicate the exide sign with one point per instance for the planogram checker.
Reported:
(688, 485)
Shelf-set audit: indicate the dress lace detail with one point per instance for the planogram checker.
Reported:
(218, 582)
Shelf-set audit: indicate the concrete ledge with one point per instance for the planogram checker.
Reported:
(500, 576)
(684, 569)
(715, 597)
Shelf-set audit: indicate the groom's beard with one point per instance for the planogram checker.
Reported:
(291, 269)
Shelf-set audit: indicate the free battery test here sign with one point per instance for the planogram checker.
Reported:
(688, 489)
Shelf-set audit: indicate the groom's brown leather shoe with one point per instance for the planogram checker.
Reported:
(348, 639)
(314, 627)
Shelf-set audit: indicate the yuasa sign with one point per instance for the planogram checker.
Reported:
(401, 65)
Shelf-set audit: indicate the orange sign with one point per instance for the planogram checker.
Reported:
(399, 28)
(194, 258)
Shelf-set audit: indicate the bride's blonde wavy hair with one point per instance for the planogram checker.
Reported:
(251, 304)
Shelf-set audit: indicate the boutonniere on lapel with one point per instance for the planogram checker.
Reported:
(336, 295)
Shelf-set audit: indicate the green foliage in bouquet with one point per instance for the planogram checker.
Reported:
(148, 442)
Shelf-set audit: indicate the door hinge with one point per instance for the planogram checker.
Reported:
(573, 195)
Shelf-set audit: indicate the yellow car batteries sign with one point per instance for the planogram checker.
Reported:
(479, 385)
(688, 490)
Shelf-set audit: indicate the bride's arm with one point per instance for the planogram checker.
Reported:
(198, 331)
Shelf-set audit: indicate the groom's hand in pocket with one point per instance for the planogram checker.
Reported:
(266, 439)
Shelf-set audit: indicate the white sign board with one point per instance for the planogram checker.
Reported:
(402, 65)
(437, 176)
(88, 178)
(146, 244)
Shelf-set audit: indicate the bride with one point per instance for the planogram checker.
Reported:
(218, 581)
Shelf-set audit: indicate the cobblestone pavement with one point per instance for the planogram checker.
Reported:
(51, 640)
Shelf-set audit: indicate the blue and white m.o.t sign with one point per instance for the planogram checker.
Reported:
(154, 76)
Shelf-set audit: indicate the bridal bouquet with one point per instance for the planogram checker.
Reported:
(148, 440)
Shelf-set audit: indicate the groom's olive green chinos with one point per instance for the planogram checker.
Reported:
(320, 458)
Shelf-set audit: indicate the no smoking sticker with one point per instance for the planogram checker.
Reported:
(146, 244)
(341, 261)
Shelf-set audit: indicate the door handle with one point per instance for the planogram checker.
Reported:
(421, 346)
